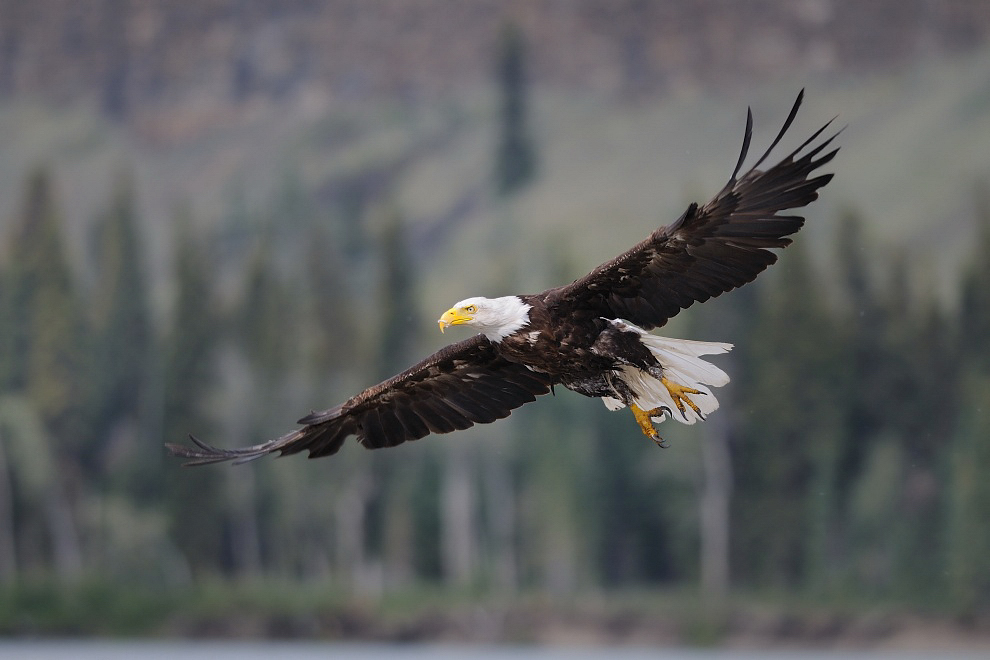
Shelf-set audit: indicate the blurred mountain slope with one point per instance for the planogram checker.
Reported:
(612, 170)
(132, 57)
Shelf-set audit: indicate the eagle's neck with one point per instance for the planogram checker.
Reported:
(508, 314)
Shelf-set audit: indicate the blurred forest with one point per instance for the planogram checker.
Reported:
(847, 464)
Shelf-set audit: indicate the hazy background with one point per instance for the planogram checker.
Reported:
(218, 215)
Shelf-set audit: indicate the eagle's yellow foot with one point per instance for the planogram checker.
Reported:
(679, 394)
(645, 421)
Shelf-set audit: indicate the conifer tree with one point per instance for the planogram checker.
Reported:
(968, 538)
(915, 355)
(974, 310)
(329, 309)
(730, 319)
(123, 340)
(266, 326)
(261, 319)
(784, 496)
(401, 321)
(865, 326)
(41, 330)
(189, 375)
(192, 336)
(41, 323)
(515, 159)
(400, 324)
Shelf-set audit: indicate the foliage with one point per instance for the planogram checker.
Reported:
(190, 349)
(41, 321)
(515, 159)
(856, 418)
(121, 369)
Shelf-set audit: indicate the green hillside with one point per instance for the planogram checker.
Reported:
(914, 150)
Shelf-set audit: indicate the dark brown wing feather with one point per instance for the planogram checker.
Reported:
(461, 385)
(708, 250)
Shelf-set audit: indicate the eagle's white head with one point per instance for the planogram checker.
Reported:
(496, 318)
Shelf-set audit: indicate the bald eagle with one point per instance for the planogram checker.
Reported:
(591, 335)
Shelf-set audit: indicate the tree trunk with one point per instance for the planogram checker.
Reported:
(8, 548)
(245, 535)
(502, 518)
(714, 504)
(350, 510)
(62, 527)
(458, 518)
(399, 534)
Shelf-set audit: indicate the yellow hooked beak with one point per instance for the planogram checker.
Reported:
(453, 316)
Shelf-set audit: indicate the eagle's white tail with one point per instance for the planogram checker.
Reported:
(681, 365)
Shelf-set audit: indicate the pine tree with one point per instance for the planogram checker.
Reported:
(261, 320)
(193, 333)
(41, 331)
(968, 537)
(189, 375)
(863, 461)
(391, 534)
(915, 358)
(864, 325)
(730, 319)
(974, 313)
(401, 317)
(515, 161)
(42, 325)
(123, 340)
(329, 311)
(267, 328)
(784, 498)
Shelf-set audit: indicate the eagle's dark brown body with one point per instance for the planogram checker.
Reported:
(576, 355)
(590, 335)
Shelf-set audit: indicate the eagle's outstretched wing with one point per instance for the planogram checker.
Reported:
(460, 385)
(710, 249)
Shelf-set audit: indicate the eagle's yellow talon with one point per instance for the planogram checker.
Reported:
(679, 394)
(645, 420)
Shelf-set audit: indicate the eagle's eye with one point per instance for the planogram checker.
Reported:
(471, 309)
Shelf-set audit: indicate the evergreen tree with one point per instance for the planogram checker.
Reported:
(515, 159)
(262, 320)
(892, 449)
(42, 325)
(864, 326)
(391, 535)
(123, 341)
(193, 498)
(329, 311)
(553, 452)
(968, 538)
(916, 356)
(868, 466)
(974, 310)
(40, 354)
(267, 323)
(401, 318)
(728, 318)
(630, 534)
(785, 465)
(193, 334)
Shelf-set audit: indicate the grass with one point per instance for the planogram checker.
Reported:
(88, 608)
(271, 608)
